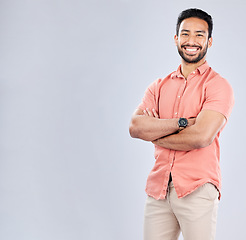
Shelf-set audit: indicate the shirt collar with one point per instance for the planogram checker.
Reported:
(202, 69)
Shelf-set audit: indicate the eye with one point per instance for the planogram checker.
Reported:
(184, 34)
(199, 35)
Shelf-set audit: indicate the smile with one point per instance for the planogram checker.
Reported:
(191, 50)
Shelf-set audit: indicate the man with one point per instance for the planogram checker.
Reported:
(183, 116)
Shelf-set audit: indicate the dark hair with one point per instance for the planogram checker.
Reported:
(197, 13)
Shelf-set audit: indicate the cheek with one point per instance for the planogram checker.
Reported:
(203, 44)
(179, 43)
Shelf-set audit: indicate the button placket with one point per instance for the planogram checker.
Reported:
(178, 100)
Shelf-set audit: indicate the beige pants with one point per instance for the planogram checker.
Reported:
(194, 215)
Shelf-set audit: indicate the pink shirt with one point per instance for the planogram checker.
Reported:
(174, 97)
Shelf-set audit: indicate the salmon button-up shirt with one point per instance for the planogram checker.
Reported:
(175, 97)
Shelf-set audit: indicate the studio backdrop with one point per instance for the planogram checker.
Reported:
(71, 75)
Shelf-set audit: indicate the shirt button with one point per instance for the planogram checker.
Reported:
(178, 96)
(176, 113)
(193, 72)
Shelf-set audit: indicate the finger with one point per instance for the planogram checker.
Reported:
(145, 113)
(155, 113)
(149, 112)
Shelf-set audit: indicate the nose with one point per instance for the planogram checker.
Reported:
(191, 40)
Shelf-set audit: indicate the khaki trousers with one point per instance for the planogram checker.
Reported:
(194, 215)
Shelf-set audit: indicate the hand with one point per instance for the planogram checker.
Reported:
(150, 113)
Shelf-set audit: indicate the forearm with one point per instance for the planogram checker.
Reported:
(201, 134)
(188, 139)
(150, 128)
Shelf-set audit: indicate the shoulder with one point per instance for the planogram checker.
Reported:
(216, 80)
(217, 87)
(218, 94)
(158, 83)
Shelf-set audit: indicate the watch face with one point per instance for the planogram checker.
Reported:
(183, 122)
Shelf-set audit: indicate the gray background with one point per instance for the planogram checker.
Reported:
(71, 74)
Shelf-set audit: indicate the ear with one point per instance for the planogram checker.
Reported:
(176, 39)
(210, 42)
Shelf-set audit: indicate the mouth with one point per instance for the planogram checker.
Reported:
(191, 50)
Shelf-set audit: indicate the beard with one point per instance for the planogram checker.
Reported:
(188, 59)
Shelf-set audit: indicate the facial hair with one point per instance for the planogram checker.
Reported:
(197, 59)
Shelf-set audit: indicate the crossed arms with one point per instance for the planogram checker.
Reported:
(199, 133)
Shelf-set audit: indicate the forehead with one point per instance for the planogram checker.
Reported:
(194, 24)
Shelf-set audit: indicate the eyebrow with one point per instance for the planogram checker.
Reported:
(199, 31)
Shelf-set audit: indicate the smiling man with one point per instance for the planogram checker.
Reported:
(183, 115)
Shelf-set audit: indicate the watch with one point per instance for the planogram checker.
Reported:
(183, 122)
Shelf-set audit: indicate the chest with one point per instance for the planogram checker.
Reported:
(181, 98)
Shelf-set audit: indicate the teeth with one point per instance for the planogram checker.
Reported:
(191, 49)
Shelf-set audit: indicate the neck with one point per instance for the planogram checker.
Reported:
(187, 68)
